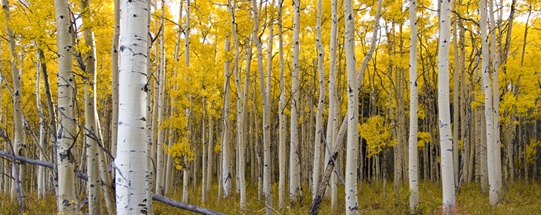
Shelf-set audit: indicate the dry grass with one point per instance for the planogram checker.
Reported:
(521, 198)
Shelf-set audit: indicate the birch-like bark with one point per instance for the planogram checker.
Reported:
(204, 157)
(282, 134)
(210, 153)
(130, 176)
(265, 95)
(186, 171)
(242, 103)
(150, 170)
(294, 158)
(495, 56)
(51, 111)
(42, 186)
(455, 96)
(320, 105)
(332, 121)
(490, 146)
(67, 201)
(446, 141)
(161, 170)
(91, 131)
(114, 77)
(226, 172)
(413, 168)
(352, 205)
(19, 143)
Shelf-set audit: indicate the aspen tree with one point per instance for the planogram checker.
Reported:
(203, 142)
(226, 172)
(41, 185)
(489, 117)
(320, 105)
(131, 192)
(495, 56)
(332, 121)
(352, 205)
(265, 94)
(19, 142)
(455, 96)
(150, 171)
(91, 131)
(114, 76)
(282, 135)
(446, 141)
(413, 168)
(294, 153)
(186, 171)
(161, 170)
(210, 153)
(67, 201)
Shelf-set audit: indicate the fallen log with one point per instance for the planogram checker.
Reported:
(184, 206)
(83, 176)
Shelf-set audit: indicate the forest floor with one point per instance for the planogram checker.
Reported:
(520, 198)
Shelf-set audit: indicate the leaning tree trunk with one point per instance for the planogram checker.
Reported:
(19, 144)
(294, 159)
(41, 175)
(446, 141)
(413, 168)
(91, 130)
(352, 205)
(67, 201)
(130, 174)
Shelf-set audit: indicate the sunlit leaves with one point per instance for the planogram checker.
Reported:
(377, 134)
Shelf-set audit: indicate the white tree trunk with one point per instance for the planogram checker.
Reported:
(150, 171)
(19, 143)
(332, 121)
(294, 159)
(456, 101)
(226, 172)
(265, 103)
(413, 168)
(489, 117)
(186, 171)
(242, 103)
(210, 154)
(352, 204)
(496, 106)
(320, 105)
(91, 131)
(446, 141)
(114, 77)
(42, 188)
(204, 157)
(130, 174)
(67, 201)
(161, 168)
(282, 134)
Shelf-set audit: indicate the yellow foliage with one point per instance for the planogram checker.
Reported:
(531, 150)
(377, 134)
(181, 153)
(423, 139)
